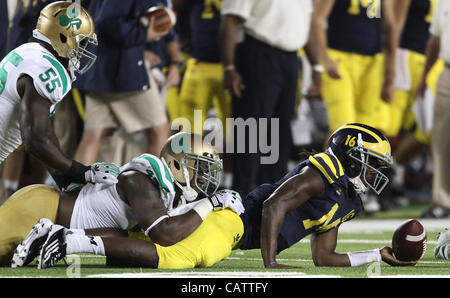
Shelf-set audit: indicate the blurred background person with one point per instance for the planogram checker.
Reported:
(352, 37)
(261, 72)
(121, 93)
(438, 46)
(202, 88)
(409, 142)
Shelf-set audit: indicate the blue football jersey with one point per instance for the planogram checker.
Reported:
(354, 26)
(319, 214)
(204, 22)
(416, 31)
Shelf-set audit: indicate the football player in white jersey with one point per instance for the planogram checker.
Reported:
(35, 77)
(147, 195)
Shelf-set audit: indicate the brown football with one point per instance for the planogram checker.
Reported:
(165, 18)
(409, 241)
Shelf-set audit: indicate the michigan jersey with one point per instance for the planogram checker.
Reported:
(354, 26)
(51, 80)
(416, 31)
(204, 21)
(319, 214)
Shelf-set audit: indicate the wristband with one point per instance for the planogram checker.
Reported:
(318, 68)
(270, 263)
(77, 172)
(229, 67)
(203, 208)
(363, 257)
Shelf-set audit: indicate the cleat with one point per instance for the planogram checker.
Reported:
(442, 249)
(29, 249)
(53, 249)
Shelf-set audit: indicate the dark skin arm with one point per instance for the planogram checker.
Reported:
(143, 196)
(290, 195)
(36, 129)
(227, 40)
(391, 35)
(323, 246)
(312, 53)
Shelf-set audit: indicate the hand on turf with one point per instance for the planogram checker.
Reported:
(282, 266)
(102, 172)
(387, 255)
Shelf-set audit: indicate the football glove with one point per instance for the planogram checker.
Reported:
(102, 172)
(227, 198)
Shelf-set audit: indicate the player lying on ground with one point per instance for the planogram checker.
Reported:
(34, 78)
(148, 190)
(315, 198)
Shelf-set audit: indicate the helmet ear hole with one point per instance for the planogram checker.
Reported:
(63, 38)
(177, 165)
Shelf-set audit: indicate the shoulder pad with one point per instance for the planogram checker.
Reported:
(154, 168)
(328, 165)
(50, 78)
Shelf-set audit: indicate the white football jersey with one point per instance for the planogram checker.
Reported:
(100, 206)
(50, 78)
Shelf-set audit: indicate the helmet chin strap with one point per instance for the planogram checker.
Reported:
(189, 194)
(359, 186)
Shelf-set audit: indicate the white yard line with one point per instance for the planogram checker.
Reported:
(380, 225)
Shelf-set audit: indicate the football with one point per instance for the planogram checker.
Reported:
(165, 18)
(409, 241)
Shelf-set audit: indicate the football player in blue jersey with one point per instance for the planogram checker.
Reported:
(314, 199)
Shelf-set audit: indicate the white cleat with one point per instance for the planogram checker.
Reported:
(442, 250)
(30, 247)
(54, 247)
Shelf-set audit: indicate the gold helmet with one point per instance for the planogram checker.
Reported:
(69, 29)
(191, 159)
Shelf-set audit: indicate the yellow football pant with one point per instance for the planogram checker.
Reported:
(210, 243)
(202, 89)
(356, 96)
(21, 212)
(398, 114)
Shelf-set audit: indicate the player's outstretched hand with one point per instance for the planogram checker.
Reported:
(282, 266)
(103, 172)
(227, 198)
(387, 255)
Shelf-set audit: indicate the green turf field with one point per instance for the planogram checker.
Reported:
(249, 263)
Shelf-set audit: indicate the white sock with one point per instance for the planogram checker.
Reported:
(82, 243)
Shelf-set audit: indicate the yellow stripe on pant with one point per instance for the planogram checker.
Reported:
(19, 214)
(210, 243)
